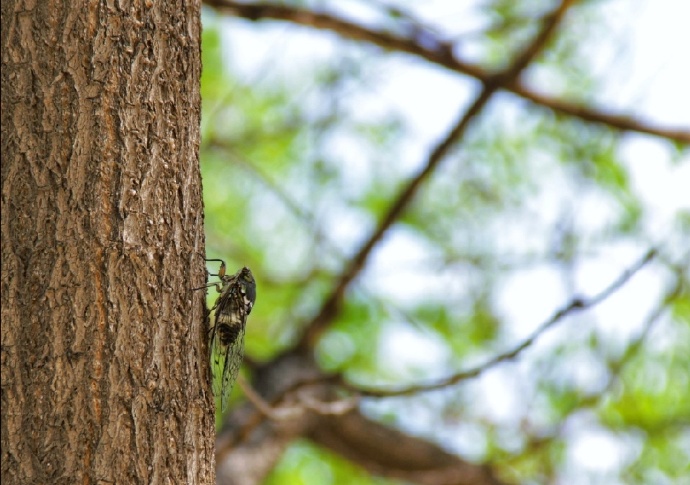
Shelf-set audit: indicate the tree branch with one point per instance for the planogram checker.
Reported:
(615, 367)
(331, 305)
(388, 452)
(249, 444)
(251, 437)
(575, 305)
(440, 52)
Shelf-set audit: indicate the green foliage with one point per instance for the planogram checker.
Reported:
(353, 342)
(305, 464)
(300, 167)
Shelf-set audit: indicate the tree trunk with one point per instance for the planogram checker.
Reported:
(104, 358)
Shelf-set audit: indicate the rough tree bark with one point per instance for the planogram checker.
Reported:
(104, 370)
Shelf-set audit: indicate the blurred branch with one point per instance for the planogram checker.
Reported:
(633, 348)
(384, 451)
(282, 406)
(331, 305)
(338, 426)
(332, 423)
(575, 305)
(304, 402)
(252, 441)
(615, 366)
(427, 45)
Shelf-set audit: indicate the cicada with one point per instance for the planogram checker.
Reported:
(226, 335)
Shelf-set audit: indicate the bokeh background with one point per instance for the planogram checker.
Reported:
(308, 138)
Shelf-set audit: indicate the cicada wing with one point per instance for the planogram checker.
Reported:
(227, 341)
(231, 367)
(218, 357)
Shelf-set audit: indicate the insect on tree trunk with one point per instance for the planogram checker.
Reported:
(105, 377)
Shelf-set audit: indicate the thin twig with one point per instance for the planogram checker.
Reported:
(279, 411)
(303, 402)
(405, 197)
(615, 367)
(274, 410)
(675, 292)
(575, 305)
(439, 51)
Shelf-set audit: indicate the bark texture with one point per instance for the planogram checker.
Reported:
(104, 369)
